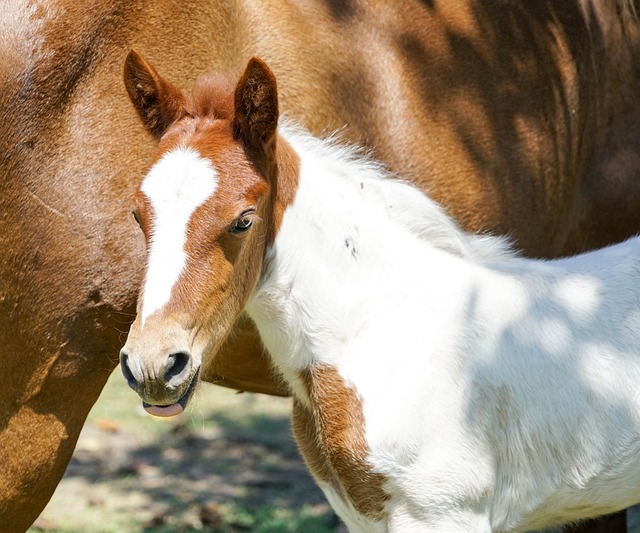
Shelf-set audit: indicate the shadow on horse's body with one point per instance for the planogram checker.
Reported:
(520, 117)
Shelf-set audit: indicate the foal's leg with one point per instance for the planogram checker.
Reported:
(613, 523)
(355, 522)
(403, 520)
(440, 527)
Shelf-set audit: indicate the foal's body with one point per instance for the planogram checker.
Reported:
(440, 382)
(497, 393)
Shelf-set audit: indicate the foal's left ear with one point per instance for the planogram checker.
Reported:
(256, 106)
(157, 101)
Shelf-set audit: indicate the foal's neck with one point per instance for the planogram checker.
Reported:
(351, 238)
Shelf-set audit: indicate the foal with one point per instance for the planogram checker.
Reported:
(440, 382)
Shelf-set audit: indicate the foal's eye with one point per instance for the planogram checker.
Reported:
(242, 223)
(136, 216)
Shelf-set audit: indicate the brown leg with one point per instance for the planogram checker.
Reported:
(37, 439)
(613, 523)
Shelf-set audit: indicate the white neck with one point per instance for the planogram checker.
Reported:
(350, 230)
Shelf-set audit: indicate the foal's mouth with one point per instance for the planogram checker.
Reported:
(176, 408)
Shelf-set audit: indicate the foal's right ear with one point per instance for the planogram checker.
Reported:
(157, 101)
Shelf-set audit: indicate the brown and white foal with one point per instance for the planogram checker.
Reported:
(440, 382)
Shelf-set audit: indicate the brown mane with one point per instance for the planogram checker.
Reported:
(212, 96)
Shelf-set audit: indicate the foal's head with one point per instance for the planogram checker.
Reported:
(208, 207)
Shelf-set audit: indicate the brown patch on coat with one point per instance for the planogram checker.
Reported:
(331, 437)
(309, 442)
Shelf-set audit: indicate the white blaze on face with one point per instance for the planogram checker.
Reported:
(175, 186)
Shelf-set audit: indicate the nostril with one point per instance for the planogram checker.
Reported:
(126, 371)
(177, 363)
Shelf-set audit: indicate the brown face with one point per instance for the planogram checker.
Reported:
(206, 210)
(202, 207)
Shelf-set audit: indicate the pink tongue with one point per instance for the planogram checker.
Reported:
(164, 410)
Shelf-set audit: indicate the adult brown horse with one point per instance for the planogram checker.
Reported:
(521, 117)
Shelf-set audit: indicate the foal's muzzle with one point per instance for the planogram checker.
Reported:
(164, 384)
